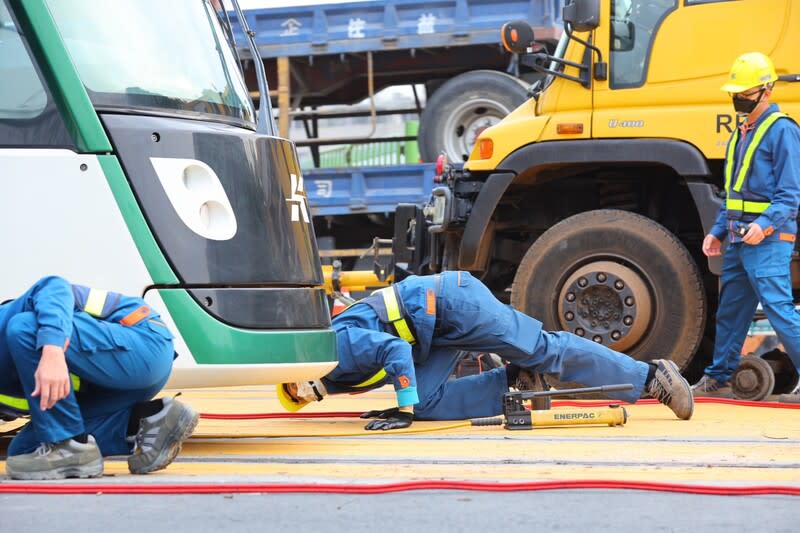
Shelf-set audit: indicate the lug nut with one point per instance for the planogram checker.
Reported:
(582, 282)
(628, 320)
(619, 285)
(616, 335)
(598, 339)
(579, 332)
(570, 296)
(601, 277)
(629, 301)
(569, 315)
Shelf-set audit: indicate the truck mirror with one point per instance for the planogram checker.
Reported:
(623, 33)
(582, 15)
(517, 36)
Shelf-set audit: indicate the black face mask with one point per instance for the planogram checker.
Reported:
(746, 106)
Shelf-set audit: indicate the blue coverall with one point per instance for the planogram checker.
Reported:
(454, 311)
(753, 273)
(118, 365)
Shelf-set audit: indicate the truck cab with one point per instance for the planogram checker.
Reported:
(587, 205)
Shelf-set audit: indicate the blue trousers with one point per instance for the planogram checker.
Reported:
(472, 319)
(118, 366)
(751, 274)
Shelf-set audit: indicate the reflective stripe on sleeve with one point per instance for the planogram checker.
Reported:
(381, 374)
(95, 302)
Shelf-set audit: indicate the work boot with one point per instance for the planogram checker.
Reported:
(669, 388)
(57, 460)
(160, 437)
(791, 397)
(528, 380)
(710, 387)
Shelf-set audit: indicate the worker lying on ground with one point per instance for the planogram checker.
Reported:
(410, 334)
(85, 364)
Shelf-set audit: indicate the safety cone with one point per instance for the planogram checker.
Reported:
(339, 305)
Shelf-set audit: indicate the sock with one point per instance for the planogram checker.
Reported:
(83, 438)
(142, 410)
(512, 373)
(651, 373)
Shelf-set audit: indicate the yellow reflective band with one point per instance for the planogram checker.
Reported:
(729, 160)
(393, 313)
(95, 302)
(21, 404)
(745, 206)
(371, 381)
(390, 300)
(744, 166)
(404, 331)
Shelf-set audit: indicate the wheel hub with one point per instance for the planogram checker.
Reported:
(466, 123)
(607, 303)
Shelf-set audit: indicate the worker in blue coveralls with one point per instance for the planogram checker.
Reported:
(410, 335)
(759, 218)
(85, 365)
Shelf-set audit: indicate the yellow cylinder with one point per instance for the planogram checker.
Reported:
(612, 416)
(355, 280)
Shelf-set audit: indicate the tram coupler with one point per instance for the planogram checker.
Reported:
(517, 416)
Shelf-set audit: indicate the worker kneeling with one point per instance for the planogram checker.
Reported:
(410, 334)
(84, 364)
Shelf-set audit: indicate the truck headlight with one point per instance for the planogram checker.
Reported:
(439, 209)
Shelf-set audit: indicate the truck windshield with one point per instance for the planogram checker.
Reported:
(154, 56)
(633, 27)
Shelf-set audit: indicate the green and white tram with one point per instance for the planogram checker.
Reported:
(132, 159)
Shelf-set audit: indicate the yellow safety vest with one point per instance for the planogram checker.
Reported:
(734, 201)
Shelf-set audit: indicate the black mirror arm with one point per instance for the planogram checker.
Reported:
(601, 72)
(547, 58)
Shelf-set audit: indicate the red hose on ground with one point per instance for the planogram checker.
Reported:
(337, 488)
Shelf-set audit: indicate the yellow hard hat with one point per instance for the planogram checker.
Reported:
(753, 69)
(286, 399)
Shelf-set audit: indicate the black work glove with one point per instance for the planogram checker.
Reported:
(380, 413)
(393, 419)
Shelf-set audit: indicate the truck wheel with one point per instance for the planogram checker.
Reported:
(462, 108)
(619, 279)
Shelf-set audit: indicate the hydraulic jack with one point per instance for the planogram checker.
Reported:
(517, 416)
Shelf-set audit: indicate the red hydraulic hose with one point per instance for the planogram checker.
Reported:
(346, 488)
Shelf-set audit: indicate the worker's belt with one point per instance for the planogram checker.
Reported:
(389, 307)
(20, 405)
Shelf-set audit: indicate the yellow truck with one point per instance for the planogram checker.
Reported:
(590, 200)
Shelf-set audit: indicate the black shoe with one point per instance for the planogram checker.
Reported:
(160, 437)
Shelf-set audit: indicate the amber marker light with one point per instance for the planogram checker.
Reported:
(485, 148)
(569, 128)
